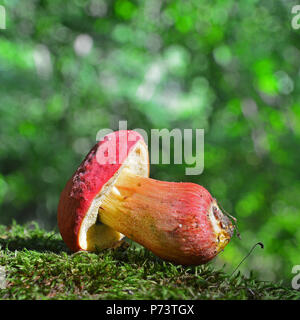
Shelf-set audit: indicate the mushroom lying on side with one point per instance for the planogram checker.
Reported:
(179, 222)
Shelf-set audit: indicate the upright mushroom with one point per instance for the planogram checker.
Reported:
(111, 195)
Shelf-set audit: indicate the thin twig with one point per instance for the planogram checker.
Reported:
(258, 243)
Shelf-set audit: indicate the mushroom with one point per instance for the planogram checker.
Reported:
(105, 200)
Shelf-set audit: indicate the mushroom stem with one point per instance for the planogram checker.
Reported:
(179, 222)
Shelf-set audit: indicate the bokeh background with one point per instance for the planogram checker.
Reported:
(71, 68)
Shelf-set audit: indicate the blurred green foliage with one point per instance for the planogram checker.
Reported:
(71, 68)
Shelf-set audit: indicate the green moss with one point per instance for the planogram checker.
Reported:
(39, 266)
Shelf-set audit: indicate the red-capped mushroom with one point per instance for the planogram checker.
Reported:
(83, 194)
(179, 222)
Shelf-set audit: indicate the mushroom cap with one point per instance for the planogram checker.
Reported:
(81, 198)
